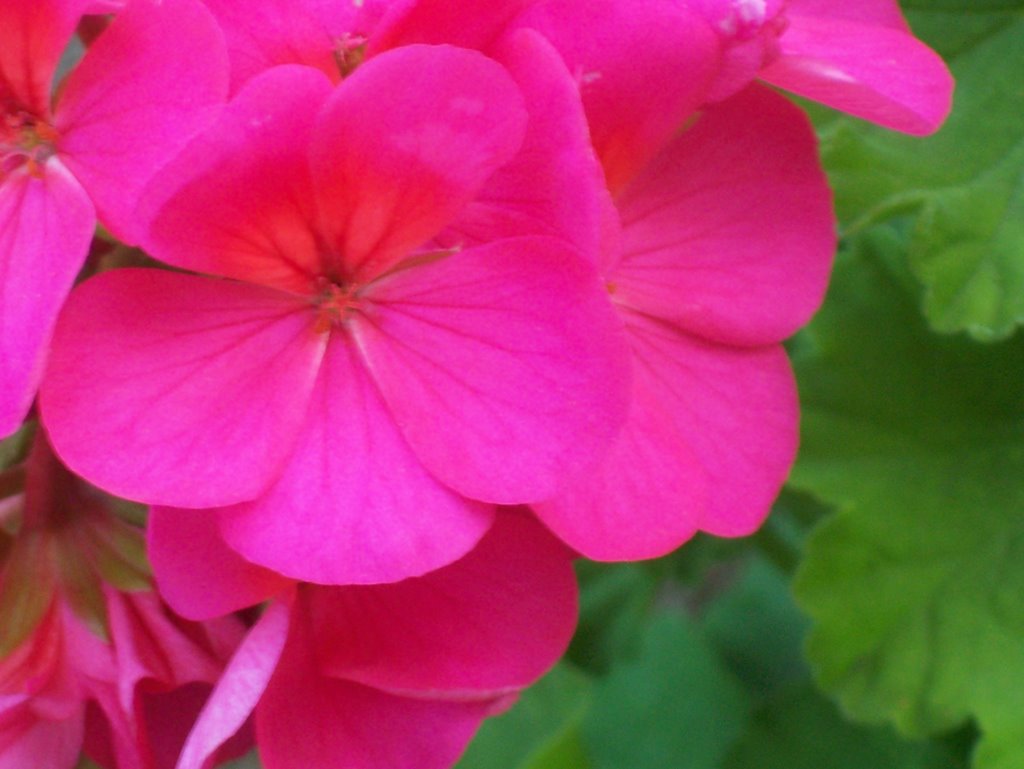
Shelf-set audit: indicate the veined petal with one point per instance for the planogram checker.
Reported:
(876, 73)
(403, 144)
(143, 89)
(354, 505)
(504, 365)
(46, 224)
(199, 576)
(238, 201)
(488, 624)
(179, 390)
(729, 233)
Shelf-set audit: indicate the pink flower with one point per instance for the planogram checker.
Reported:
(718, 250)
(361, 380)
(90, 656)
(136, 97)
(372, 676)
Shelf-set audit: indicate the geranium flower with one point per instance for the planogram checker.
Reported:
(89, 656)
(356, 385)
(137, 96)
(372, 676)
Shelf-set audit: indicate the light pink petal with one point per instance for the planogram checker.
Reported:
(488, 624)
(28, 740)
(143, 89)
(33, 34)
(308, 720)
(403, 144)
(240, 688)
(179, 390)
(467, 23)
(876, 73)
(239, 200)
(552, 186)
(884, 13)
(504, 366)
(46, 224)
(354, 506)
(729, 232)
(272, 32)
(642, 67)
(197, 573)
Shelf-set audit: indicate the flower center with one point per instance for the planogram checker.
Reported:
(349, 52)
(334, 304)
(25, 138)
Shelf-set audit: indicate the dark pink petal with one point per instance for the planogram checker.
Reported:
(239, 201)
(272, 32)
(729, 232)
(642, 67)
(240, 687)
(504, 365)
(737, 411)
(403, 144)
(198, 574)
(179, 390)
(354, 506)
(46, 223)
(467, 24)
(33, 34)
(143, 89)
(308, 720)
(881, 74)
(553, 184)
(488, 624)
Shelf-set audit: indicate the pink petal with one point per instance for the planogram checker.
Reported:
(885, 13)
(197, 573)
(46, 224)
(28, 740)
(877, 73)
(404, 144)
(354, 505)
(143, 89)
(179, 390)
(642, 67)
(240, 687)
(308, 720)
(467, 23)
(729, 233)
(273, 32)
(552, 186)
(504, 366)
(238, 201)
(33, 34)
(488, 624)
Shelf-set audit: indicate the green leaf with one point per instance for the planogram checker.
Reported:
(541, 729)
(915, 585)
(966, 182)
(677, 705)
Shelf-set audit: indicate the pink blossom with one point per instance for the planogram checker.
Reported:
(371, 676)
(91, 657)
(363, 379)
(138, 94)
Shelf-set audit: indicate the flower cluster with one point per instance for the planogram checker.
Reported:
(394, 308)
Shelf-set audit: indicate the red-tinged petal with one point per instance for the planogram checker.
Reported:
(198, 574)
(46, 223)
(240, 687)
(486, 625)
(876, 73)
(143, 89)
(642, 66)
(505, 366)
(467, 24)
(308, 720)
(354, 506)
(33, 34)
(553, 185)
(736, 408)
(729, 233)
(179, 390)
(403, 144)
(273, 32)
(239, 201)
(29, 740)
